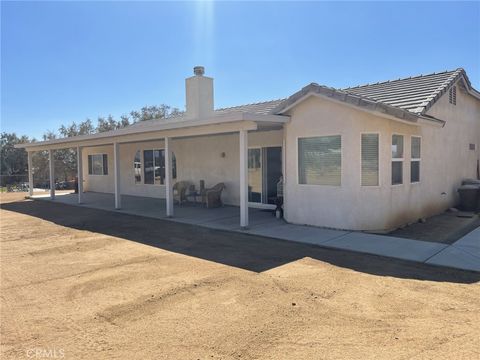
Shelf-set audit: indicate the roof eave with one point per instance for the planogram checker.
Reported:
(358, 102)
(235, 116)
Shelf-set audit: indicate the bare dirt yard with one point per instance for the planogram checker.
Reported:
(80, 283)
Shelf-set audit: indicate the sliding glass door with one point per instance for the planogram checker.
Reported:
(264, 172)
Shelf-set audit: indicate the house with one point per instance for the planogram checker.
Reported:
(370, 157)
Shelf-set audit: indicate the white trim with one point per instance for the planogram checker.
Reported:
(246, 120)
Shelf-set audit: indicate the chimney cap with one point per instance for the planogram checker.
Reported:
(199, 70)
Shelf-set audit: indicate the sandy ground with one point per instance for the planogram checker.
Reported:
(89, 284)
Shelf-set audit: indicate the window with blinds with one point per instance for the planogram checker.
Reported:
(370, 163)
(320, 160)
(415, 159)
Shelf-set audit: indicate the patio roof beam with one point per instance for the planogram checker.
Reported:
(146, 134)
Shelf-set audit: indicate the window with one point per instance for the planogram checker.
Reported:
(320, 160)
(154, 167)
(397, 159)
(98, 164)
(369, 159)
(415, 160)
(137, 167)
(452, 95)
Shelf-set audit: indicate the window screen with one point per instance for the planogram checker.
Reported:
(320, 160)
(369, 159)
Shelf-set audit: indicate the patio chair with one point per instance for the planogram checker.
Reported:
(213, 197)
(180, 191)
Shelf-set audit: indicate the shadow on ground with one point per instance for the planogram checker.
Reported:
(244, 251)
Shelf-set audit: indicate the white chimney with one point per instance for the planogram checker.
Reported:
(199, 92)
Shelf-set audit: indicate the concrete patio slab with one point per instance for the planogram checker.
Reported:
(299, 233)
(463, 254)
(470, 243)
(456, 258)
(399, 248)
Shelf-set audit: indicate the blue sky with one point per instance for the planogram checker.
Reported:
(66, 61)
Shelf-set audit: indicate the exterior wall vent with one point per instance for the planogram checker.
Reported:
(452, 95)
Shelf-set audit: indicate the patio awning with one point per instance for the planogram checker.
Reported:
(172, 127)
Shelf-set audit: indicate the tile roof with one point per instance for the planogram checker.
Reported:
(414, 94)
(261, 108)
(405, 99)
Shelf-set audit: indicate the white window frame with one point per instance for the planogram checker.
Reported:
(379, 159)
(419, 160)
(402, 159)
(103, 164)
(342, 160)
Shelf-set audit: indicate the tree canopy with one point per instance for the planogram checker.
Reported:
(14, 162)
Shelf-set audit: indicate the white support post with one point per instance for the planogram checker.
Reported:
(243, 179)
(79, 174)
(168, 178)
(116, 173)
(51, 163)
(30, 174)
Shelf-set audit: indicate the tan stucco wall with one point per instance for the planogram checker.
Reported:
(445, 161)
(198, 158)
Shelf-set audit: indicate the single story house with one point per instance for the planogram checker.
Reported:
(370, 157)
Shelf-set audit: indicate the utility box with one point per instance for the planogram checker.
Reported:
(469, 197)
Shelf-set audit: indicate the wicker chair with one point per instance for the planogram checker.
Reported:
(213, 197)
(180, 191)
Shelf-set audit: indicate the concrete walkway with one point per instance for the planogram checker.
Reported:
(463, 254)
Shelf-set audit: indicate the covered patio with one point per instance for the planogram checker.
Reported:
(224, 218)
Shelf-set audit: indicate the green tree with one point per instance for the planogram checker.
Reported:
(14, 162)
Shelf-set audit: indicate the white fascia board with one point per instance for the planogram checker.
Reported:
(202, 130)
(166, 125)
